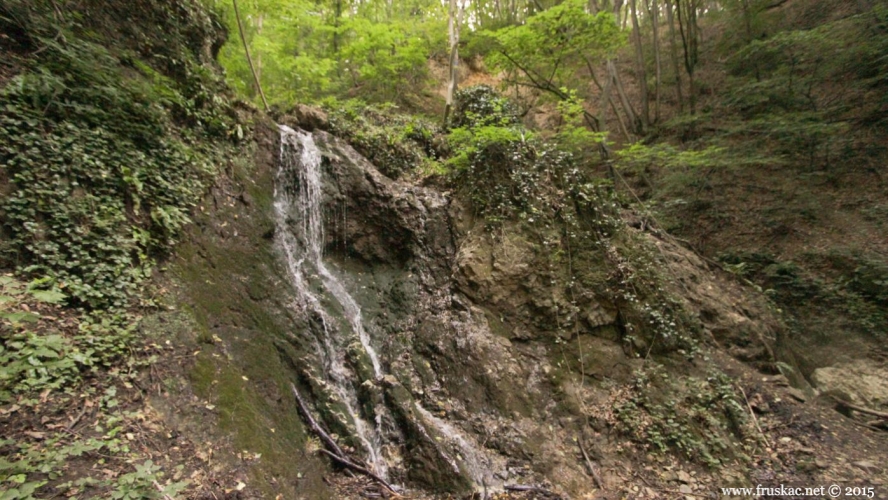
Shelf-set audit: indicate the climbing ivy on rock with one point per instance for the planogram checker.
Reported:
(100, 178)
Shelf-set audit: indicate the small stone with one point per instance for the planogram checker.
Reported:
(684, 477)
(867, 466)
(821, 462)
(687, 490)
(797, 394)
(246, 199)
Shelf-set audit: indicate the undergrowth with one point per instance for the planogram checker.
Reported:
(109, 136)
(395, 143)
(703, 420)
(101, 167)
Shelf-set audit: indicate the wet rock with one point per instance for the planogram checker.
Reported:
(308, 118)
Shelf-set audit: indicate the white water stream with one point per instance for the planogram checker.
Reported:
(301, 156)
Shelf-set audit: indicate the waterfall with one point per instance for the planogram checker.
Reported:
(299, 156)
(300, 238)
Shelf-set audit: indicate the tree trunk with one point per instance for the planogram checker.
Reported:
(640, 73)
(336, 20)
(240, 28)
(673, 49)
(687, 25)
(627, 107)
(608, 100)
(655, 23)
(453, 32)
(259, 22)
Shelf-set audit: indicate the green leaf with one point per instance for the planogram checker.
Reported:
(49, 296)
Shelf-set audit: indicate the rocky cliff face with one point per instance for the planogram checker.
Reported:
(495, 367)
(486, 370)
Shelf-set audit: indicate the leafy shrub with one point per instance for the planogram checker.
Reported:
(480, 106)
(700, 419)
(99, 183)
(394, 143)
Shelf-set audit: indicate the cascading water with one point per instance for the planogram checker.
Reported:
(300, 236)
(300, 156)
(475, 462)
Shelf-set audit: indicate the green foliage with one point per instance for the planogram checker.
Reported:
(557, 39)
(493, 142)
(572, 134)
(44, 460)
(100, 184)
(701, 419)
(857, 289)
(140, 484)
(640, 156)
(547, 51)
(104, 152)
(395, 143)
(480, 105)
(308, 50)
(33, 360)
(384, 59)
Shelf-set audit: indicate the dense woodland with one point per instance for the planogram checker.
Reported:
(745, 126)
(649, 154)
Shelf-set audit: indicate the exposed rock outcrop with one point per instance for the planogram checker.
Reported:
(492, 373)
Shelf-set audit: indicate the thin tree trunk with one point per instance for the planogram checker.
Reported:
(240, 28)
(640, 73)
(259, 22)
(687, 25)
(623, 129)
(336, 20)
(673, 49)
(627, 107)
(655, 23)
(615, 76)
(607, 100)
(453, 31)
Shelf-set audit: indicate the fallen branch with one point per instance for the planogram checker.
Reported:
(590, 465)
(303, 410)
(335, 451)
(754, 418)
(362, 470)
(532, 489)
(861, 409)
